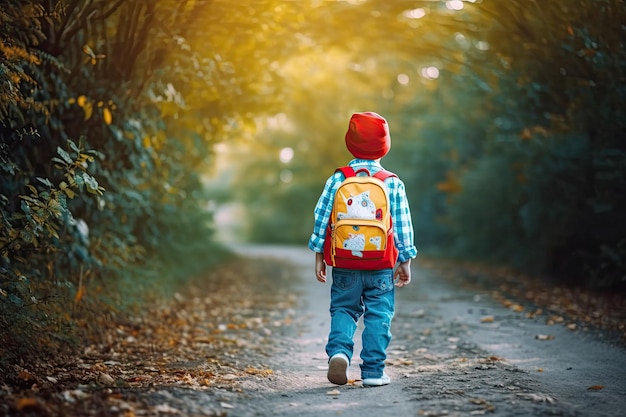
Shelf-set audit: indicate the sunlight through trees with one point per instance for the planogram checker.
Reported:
(142, 120)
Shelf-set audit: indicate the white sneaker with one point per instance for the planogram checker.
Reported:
(377, 382)
(338, 369)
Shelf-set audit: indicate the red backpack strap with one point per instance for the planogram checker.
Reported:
(347, 171)
(384, 174)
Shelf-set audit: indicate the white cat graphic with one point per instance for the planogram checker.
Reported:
(358, 207)
(376, 241)
(355, 243)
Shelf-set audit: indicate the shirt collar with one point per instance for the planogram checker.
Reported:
(367, 162)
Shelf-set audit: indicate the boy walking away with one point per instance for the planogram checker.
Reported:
(362, 229)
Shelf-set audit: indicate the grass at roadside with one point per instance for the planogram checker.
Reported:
(207, 335)
(66, 320)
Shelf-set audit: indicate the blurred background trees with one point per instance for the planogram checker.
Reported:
(507, 124)
(138, 136)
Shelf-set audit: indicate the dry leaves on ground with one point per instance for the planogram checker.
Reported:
(573, 307)
(198, 339)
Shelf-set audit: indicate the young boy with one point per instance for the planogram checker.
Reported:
(367, 293)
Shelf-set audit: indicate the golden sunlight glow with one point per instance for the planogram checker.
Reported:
(415, 13)
(279, 121)
(454, 4)
(286, 155)
(430, 73)
(482, 45)
(403, 79)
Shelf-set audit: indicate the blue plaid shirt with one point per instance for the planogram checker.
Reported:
(400, 212)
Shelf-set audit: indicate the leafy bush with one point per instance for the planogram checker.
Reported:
(551, 162)
(98, 197)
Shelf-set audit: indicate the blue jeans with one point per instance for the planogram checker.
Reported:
(362, 293)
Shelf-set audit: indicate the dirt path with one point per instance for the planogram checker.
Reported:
(453, 353)
(248, 340)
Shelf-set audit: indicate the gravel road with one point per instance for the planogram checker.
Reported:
(453, 353)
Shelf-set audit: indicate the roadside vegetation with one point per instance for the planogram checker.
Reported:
(126, 126)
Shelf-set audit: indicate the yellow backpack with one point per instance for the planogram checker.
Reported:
(360, 230)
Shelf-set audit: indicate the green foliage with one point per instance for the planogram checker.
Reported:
(528, 199)
(21, 31)
(513, 154)
(41, 247)
(86, 224)
(546, 153)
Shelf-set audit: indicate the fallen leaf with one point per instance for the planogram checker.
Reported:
(433, 413)
(100, 367)
(400, 362)
(105, 379)
(596, 387)
(478, 401)
(25, 376)
(557, 319)
(487, 319)
(487, 406)
(26, 402)
(262, 372)
(491, 359)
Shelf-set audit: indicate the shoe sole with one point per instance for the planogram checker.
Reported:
(375, 384)
(337, 371)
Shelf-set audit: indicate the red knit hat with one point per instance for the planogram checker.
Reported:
(368, 136)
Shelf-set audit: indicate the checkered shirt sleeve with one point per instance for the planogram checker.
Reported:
(402, 223)
(322, 212)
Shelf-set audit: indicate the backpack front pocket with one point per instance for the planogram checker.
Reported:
(356, 238)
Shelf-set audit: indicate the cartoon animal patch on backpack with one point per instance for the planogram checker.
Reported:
(358, 207)
(360, 229)
(355, 243)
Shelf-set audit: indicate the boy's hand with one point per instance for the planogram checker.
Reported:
(320, 267)
(402, 276)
